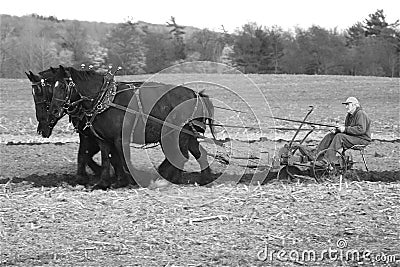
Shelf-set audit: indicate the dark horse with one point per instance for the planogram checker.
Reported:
(42, 92)
(42, 95)
(153, 113)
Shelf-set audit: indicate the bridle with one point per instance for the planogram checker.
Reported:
(44, 100)
(66, 101)
(70, 107)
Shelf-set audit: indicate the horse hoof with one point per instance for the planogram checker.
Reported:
(82, 179)
(100, 186)
(206, 172)
(177, 178)
(120, 184)
(206, 177)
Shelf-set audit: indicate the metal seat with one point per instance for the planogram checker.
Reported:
(360, 148)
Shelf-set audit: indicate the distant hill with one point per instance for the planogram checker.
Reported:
(35, 42)
(97, 30)
(162, 28)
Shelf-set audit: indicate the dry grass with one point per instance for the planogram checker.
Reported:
(47, 221)
(223, 225)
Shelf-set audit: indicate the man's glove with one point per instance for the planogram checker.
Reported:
(338, 129)
(341, 128)
(334, 130)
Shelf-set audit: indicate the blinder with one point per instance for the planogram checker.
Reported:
(39, 92)
(66, 101)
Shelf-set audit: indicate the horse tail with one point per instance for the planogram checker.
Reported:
(210, 110)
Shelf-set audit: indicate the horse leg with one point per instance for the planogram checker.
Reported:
(167, 170)
(126, 160)
(88, 147)
(104, 181)
(92, 149)
(164, 167)
(172, 166)
(81, 172)
(200, 154)
(84, 155)
(121, 168)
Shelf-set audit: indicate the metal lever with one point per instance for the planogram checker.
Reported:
(301, 125)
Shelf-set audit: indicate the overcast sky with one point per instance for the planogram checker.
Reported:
(212, 14)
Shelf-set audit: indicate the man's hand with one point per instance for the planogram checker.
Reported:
(338, 129)
(341, 128)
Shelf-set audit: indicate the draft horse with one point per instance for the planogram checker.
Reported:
(42, 96)
(153, 113)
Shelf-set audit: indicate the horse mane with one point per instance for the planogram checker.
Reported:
(46, 74)
(83, 75)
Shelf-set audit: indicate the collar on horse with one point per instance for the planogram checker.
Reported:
(106, 95)
(102, 102)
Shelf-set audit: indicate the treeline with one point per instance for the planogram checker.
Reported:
(371, 47)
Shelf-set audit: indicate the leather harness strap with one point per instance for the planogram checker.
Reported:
(105, 100)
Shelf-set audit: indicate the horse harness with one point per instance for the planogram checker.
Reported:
(101, 103)
(41, 84)
(105, 100)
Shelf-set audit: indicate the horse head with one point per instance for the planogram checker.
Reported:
(41, 91)
(62, 87)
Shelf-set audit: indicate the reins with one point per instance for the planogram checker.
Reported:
(105, 100)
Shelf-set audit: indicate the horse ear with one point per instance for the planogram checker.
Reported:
(62, 70)
(28, 75)
(31, 73)
(31, 76)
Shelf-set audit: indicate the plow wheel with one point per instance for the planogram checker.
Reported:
(327, 169)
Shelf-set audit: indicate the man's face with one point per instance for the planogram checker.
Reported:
(350, 107)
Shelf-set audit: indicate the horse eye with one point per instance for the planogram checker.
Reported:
(56, 84)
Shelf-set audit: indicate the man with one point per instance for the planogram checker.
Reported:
(355, 131)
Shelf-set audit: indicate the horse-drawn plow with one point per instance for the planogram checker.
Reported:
(48, 219)
(106, 116)
(294, 160)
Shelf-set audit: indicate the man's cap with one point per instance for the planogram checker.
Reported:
(351, 99)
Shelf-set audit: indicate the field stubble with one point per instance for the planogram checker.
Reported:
(47, 219)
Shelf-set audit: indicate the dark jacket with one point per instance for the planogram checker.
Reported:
(358, 124)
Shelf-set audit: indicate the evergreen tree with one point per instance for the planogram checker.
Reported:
(374, 46)
(126, 48)
(177, 32)
(257, 50)
(159, 52)
(208, 44)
